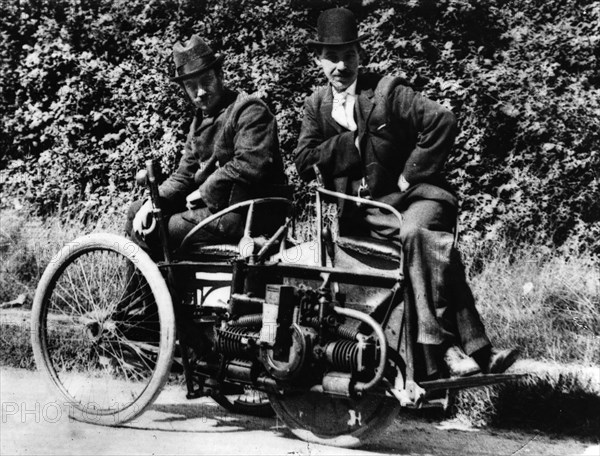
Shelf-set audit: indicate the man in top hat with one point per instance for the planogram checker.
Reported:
(231, 155)
(373, 137)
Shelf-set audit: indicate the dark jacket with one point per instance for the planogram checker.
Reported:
(414, 139)
(231, 157)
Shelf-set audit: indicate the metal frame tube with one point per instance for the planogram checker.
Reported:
(362, 201)
(365, 386)
(231, 208)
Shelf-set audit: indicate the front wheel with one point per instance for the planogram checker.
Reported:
(338, 421)
(103, 328)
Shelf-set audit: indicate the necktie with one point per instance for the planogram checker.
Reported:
(343, 110)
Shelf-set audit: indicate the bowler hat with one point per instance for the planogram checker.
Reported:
(193, 58)
(336, 26)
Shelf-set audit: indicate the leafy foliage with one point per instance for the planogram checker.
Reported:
(86, 97)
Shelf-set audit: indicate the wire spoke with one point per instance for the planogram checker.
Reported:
(76, 290)
(102, 332)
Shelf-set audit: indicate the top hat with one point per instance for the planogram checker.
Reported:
(193, 58)
(336, 27)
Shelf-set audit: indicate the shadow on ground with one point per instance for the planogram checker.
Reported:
(209, 417)
(556, 403)
(563, 408)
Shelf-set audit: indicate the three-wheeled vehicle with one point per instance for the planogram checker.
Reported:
(316, 330)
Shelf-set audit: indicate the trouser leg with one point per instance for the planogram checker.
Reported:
(471, 330)
(180, 224)
(440, 294)
(229, 227)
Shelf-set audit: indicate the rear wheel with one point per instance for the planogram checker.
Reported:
(103, 328)
(337, 421)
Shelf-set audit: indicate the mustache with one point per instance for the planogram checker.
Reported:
(342, 73)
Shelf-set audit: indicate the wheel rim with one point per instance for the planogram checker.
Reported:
(101, 333)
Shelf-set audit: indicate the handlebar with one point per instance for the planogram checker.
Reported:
(234, 207)
(149, 178)
(141, 178)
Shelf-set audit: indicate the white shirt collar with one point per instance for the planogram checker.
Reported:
(351, 90)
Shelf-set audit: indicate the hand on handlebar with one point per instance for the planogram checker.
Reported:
(143, 222)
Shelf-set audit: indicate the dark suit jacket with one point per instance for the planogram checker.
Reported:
(231, 157)
(414, 139)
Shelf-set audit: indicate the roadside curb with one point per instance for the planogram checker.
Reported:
(587, 375)
(558, 399)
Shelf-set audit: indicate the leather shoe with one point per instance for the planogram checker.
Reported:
(458, 363)
(494, 361)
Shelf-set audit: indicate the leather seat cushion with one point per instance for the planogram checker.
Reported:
(370, 246)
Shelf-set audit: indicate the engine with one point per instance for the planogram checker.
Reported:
(302, 338)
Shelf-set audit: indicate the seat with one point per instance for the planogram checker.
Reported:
(230, 250)
(371, 247)
(213, 252)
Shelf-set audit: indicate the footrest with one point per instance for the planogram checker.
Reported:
(468, 382)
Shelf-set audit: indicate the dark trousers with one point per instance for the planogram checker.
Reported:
(437, 286)
(226, 228)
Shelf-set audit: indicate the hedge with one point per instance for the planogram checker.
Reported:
(86, 97)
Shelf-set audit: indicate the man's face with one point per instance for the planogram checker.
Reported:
(340, 64)
(205, 90)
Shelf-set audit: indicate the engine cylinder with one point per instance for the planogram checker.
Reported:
(344, 355)
(234, 341)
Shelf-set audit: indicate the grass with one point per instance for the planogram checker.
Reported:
(548, 305)
(28, 243)
(15, 346)
(545, 303)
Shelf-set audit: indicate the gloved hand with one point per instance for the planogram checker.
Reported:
(143, 222)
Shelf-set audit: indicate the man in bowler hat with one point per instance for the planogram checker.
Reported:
(378, 139)
(231, 155)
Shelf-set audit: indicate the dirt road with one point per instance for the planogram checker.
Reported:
(35, 422)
